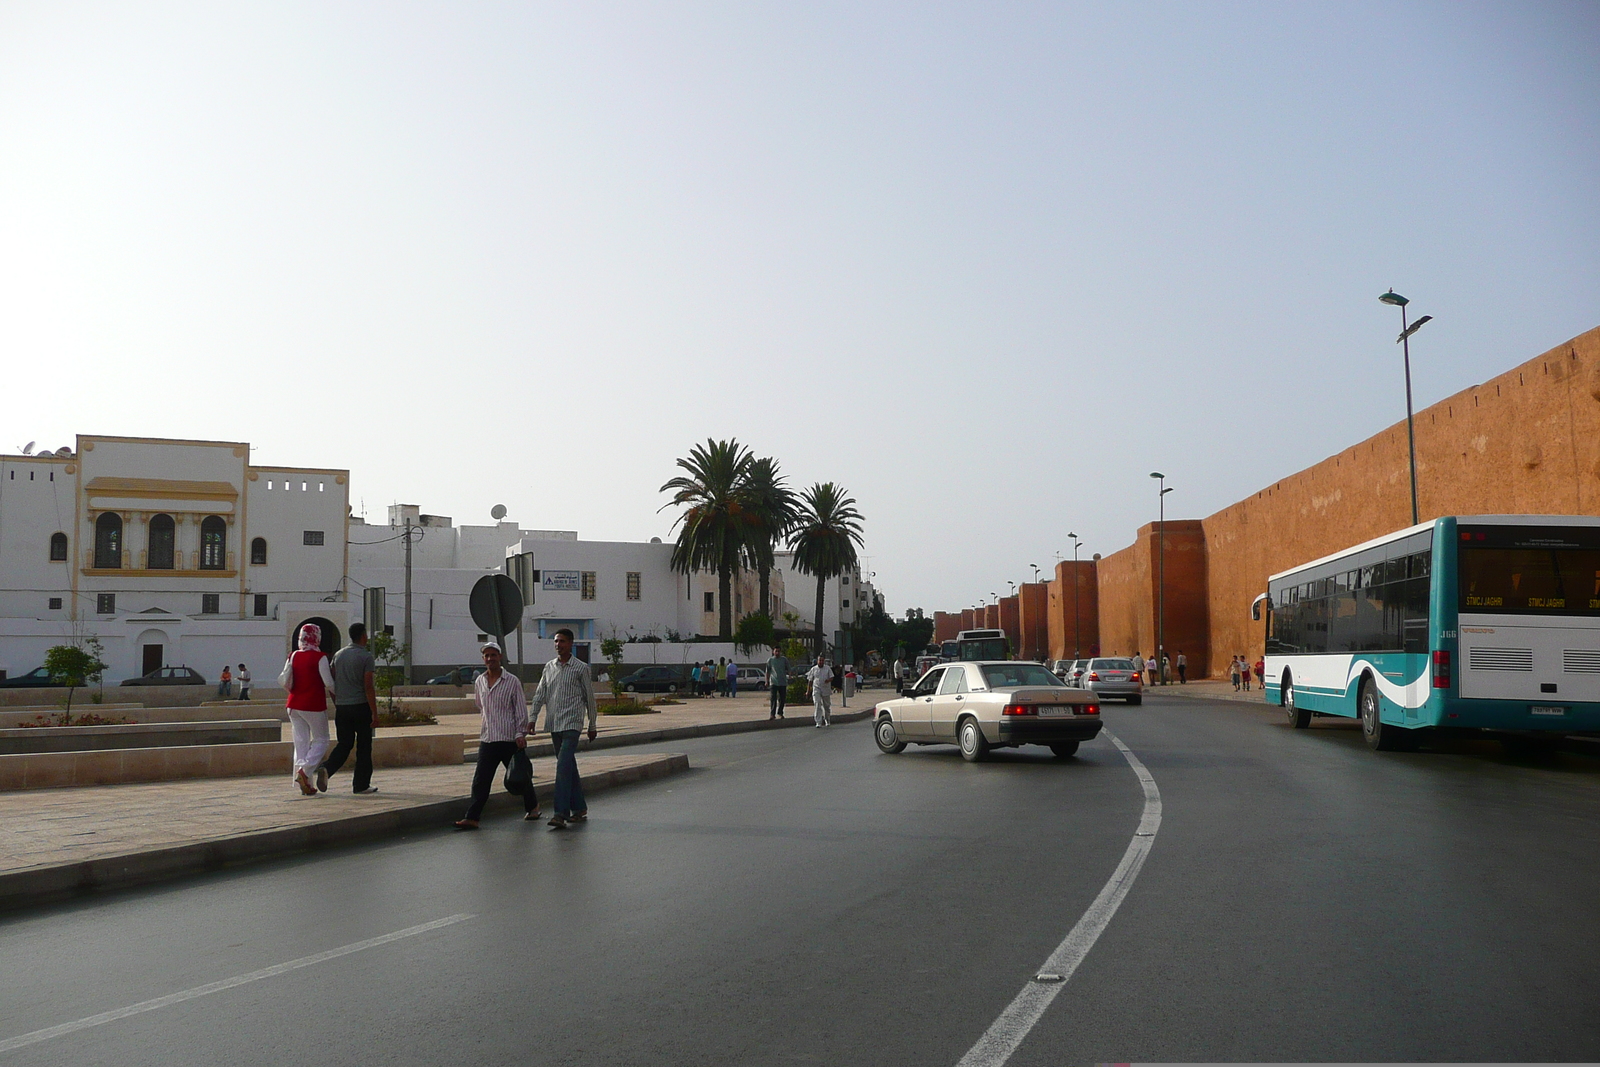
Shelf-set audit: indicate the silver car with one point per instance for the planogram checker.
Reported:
(982, 705)
(1113, 678)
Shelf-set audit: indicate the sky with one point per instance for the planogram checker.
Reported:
(985, 266)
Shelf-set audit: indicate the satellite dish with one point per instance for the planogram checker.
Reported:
(497, 512)
(27, 449)
(655, 540)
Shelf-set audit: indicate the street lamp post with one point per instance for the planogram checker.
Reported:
(1161, 573)
(1394, 299)
(1077, 644)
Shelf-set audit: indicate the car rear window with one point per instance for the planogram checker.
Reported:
(1112, 665)
(1009, 675)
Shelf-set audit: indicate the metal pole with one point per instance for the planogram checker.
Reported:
(1161, 580)
(408, 600)
(1077, 641)
(1411, 432)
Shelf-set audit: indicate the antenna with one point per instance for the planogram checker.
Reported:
(497, 512)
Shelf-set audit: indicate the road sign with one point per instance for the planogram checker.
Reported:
(496, 605)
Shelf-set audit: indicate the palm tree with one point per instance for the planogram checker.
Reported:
(717, 519)
(772, 510)
(824, 537)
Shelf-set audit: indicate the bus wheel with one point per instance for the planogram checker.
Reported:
(1379, 735)
(1299, 718)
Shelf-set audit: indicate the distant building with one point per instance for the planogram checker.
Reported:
(169, 552)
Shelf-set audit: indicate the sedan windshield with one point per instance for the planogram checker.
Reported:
(1011, 675)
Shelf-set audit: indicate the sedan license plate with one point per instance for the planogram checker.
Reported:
(1546, 709)
(1055, 709)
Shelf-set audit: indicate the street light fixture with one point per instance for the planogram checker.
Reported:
(1035, 567)
(1077, 645)
(1161, 573)
(1394, 299)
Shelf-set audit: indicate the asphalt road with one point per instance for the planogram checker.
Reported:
(800, 898)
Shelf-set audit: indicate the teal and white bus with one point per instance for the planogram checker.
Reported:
(1481, 622)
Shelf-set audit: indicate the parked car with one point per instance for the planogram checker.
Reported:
(752, 678)
(1074, 672)
(39, 676)
(653, 680)
(979, 706)
(1059, 668)
(457, 676)
(1114, 678)
(169, 676)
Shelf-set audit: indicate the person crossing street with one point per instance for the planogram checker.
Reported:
(566, 693)
(820, 679)
(777, 683)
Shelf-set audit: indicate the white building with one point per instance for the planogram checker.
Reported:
(844, 598)
(169, 552)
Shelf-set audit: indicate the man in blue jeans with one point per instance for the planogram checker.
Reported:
(566, 693)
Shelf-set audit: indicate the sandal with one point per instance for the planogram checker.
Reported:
(304, 783)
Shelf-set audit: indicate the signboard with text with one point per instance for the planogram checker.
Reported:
(560, 581)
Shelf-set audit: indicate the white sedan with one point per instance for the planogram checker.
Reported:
(979, 706)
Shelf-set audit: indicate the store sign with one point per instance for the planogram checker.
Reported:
(560, 581)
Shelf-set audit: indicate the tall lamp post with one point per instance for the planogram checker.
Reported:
(1396, 300)
(1161, 573)
(1077, 645)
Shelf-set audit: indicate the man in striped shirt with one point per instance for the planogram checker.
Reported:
(505, 733)
(566, 690)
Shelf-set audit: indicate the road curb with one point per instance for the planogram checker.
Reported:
(20, 889)
(675, 733)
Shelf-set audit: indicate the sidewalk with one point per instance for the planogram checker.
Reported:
(56, 843)
(1208, 689)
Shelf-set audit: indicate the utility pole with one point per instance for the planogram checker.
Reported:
(1077, 645)
(1161, 574)
(407, 537)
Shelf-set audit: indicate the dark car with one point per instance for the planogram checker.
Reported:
(652, 680)
(39, 676)
(169, 676)
(458, 676)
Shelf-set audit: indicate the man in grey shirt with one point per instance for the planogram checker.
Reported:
(777, 683)
(355, 712)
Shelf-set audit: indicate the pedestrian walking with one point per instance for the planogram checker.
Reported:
(899, 675)
(1183, 668)
(777, 683)
(308, 681)
(225, 683)
(733, 678)
(565, 692)
(1244, 673)
(503, 737)
(244, 682)
(820, 678)
(1233, 672)
(355, 712)
(1261, 671)
(1166, 669)
(694, 679)
(1150, 670)
(720, 676)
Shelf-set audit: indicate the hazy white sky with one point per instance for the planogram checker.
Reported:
(985, 265)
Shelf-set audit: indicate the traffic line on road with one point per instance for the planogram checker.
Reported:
(170, 999)
(1007, 1032)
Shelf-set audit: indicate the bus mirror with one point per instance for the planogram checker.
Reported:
(1258, 605)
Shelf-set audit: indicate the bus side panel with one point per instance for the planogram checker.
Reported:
(1319, 682)
(1443, 618)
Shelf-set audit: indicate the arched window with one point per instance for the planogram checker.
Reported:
(108, 540)
(213, 543)
(58, 548)
(258, 551)
(162, 540)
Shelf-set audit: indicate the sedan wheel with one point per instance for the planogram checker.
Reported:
(974, 746)
(888, 741)
(632, 688)
(672, 687)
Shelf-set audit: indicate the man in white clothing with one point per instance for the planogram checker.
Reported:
(820, 678)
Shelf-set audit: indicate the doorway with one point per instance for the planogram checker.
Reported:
(153, 659)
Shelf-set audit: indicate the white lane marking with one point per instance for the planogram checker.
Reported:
(1006, 1033)
(227, 983)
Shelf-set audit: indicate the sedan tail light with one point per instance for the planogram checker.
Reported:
(1019, 709)
(1441, 669)
(1089, 709)
(1094, 676)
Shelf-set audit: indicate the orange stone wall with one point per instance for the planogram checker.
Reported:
(1010, 608)
(1034, 598)
(1060, 616)
(945, 626)
(1128, 594)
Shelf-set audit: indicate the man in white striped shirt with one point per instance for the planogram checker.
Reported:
(567, 691)
(503, 737)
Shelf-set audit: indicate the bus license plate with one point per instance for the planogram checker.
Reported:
(1057, 710)
(1546, 709)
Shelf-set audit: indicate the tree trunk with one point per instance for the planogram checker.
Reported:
(725, 616)
(822, 586)
(766, 593)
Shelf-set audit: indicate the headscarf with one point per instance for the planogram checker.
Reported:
(310, 638)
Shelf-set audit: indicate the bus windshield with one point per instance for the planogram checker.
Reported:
(983, 648)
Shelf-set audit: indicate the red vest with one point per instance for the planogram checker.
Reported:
(306, 691)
